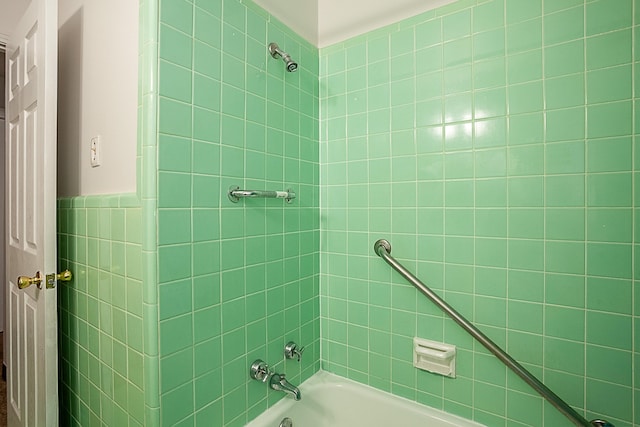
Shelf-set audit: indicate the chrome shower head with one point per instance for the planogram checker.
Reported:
(276, 53)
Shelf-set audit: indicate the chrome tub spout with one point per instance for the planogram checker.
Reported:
(280, 383)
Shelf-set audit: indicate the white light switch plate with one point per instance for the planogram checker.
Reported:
(95, 151)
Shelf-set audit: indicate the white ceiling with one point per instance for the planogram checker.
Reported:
(321, 22)
(326, 22)
(10, 12)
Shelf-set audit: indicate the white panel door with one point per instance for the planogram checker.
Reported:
(31, 337)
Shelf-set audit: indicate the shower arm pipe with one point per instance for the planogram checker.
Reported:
(235, 194)
(382, 248)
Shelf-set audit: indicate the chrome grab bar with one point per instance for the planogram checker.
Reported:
(235, 194)
(382, 248)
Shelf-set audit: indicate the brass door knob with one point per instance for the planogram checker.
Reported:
(65, 276)
(52, 278)
(26, 281)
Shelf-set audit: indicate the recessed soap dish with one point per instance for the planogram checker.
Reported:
(435, 357)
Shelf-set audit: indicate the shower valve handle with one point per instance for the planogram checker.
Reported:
(291, 350)
(260, 371)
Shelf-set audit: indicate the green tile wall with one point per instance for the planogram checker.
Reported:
(493, 144)
(101, 350)
(235, 281)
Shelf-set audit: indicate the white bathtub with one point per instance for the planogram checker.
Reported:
(332, 401)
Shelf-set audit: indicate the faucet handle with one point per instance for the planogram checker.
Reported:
(260, 371)
(291, 350)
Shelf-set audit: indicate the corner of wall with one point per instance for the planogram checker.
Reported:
(147, 190)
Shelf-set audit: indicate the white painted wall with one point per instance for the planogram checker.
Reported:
(97, 95)
(327, 22)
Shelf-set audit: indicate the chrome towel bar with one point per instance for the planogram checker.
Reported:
(235, 194)
(382, 248)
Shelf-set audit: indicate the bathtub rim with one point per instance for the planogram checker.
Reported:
(327, 378)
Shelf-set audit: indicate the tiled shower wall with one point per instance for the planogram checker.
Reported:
(101, 354)
(492, 143)
(236, 281)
